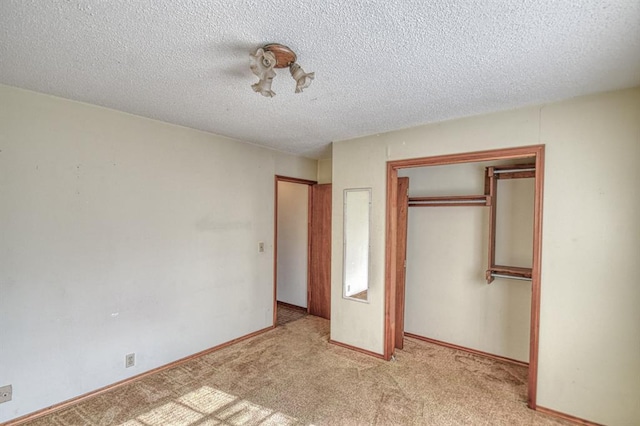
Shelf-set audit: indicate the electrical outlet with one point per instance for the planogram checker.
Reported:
(6, 393)
(129, 360)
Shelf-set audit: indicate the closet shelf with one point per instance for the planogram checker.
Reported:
(515, 272)
(514, 171)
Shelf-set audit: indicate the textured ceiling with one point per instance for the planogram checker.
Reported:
(380, 65)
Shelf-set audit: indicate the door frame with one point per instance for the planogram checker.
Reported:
(309, 183)
(401, 252)
(533, 151)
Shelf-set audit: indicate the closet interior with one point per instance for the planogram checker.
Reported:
(478, 228)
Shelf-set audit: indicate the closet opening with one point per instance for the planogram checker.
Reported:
(479, 258)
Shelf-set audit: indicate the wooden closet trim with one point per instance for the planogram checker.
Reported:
(534, 151)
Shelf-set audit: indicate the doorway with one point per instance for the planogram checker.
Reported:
(302, 249)
(394, 291)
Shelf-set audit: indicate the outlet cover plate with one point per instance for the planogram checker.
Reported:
(6, 392)
(129, 360)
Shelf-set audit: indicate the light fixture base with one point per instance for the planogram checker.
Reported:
(284, 56)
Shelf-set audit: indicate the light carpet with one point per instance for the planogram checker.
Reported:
(292, 376)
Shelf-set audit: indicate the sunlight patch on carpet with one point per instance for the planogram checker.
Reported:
(171, 413)
(206, 400)
(210, 406)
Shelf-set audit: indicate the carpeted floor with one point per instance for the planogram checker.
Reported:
(293, 376)
(287, 314)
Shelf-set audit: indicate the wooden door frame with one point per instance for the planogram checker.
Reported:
(401, 251)
(309, 183)
(534, 151)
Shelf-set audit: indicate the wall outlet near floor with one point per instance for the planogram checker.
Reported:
(129, 360)
(6, 393)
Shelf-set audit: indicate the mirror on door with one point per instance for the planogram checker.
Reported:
(357, 217)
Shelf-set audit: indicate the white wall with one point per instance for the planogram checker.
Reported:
(447, 296)
(589, 352)
(293, 230)
(122, 234)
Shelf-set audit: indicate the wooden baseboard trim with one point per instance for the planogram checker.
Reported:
(464, 349)
(294, 307)
(573, 419)
(354, 348)
(67, 403)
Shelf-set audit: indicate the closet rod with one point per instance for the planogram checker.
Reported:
(511, 277)
(424, 203)
(532, 169)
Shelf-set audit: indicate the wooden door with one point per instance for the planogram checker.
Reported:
(320, 252)
(401, 264)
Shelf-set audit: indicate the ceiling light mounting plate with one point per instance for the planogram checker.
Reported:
(284, 55)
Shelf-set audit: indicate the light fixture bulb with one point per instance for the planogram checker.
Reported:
(303, 80)
(262, 63)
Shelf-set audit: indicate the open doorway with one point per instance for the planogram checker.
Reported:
(302, 254)
(394, 290)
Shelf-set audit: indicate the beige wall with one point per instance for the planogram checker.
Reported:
(121, 234)
(324, 170)
(589, 346)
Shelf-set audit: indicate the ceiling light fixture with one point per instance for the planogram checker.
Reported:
(270, 56)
